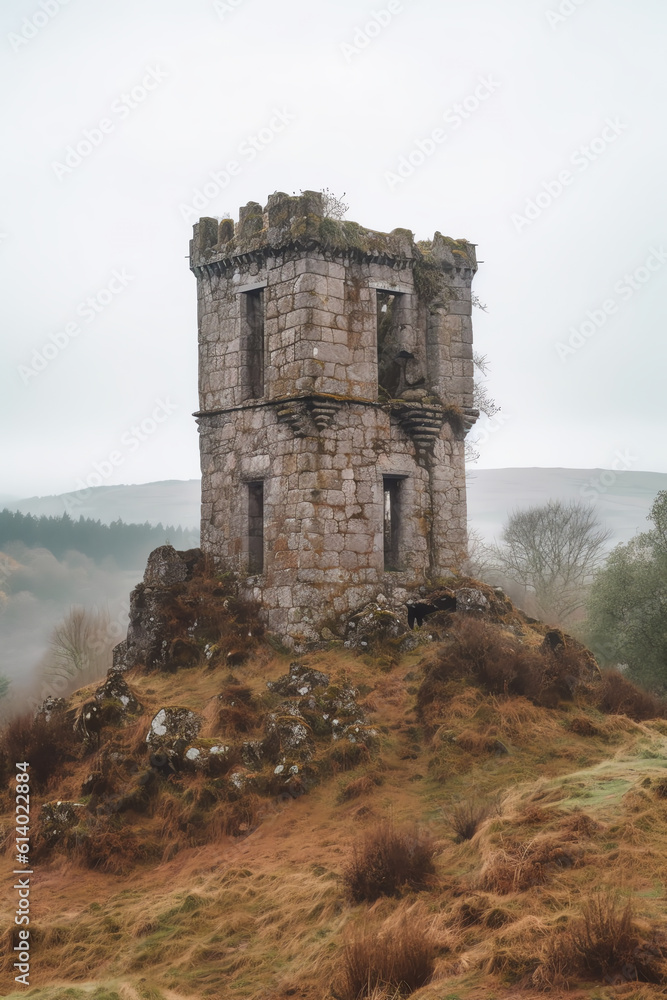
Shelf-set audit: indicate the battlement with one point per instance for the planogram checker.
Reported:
(299, 222)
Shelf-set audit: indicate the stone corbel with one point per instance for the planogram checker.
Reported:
(294, 413)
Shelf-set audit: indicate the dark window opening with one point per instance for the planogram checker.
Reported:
(388, 331)
(253, 322)
(392, 512)
(255, 528)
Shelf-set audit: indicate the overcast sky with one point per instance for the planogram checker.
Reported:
(549, 118)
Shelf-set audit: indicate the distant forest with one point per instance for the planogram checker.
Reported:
(127, 544)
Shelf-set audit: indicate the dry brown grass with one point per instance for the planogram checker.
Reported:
(521, 866)
(44, 745)
(660, 788)
(209, 609)
(362, 785)
(619, 696)
(502, 664)
(604, 943)
(241, 907)
(392, 961)
(386, 860)
(465, 818)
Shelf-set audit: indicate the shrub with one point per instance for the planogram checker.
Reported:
(619, 696)
(108, 846)
(501, 664)
(386, 860)
(604, 942)
(465, 818)
(402, 961)
(44, 744)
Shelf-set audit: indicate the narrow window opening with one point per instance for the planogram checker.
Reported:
(392, 516)
(255, 528)
(388, 329)
(253, 321)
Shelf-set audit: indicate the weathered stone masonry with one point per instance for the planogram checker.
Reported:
(335, 386)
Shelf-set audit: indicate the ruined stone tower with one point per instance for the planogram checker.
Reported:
(335, 391)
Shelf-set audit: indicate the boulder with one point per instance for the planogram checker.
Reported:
(50, 707)
(299, 681)
(165, 567)
(375, 622)
(292, 731)
(57, 818)
(116, 697)
(211, 760)
(357, 732)
(149, 634)
(174, 728)
(470, 599)
(252, 754)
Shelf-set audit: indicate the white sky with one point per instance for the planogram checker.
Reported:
(219, 76)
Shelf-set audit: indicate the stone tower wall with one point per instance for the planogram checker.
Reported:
(320, 434)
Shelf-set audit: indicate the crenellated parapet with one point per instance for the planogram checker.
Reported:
(298, 222)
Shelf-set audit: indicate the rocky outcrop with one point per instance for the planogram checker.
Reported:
(149, 638)
(174, 728)
(299, 681)
(57, 818)
(116, 698)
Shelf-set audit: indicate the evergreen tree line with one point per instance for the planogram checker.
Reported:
(127, 544)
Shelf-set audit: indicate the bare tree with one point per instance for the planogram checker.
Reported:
(480, 562)
(481, 399)
(552, 551)
(80, 647)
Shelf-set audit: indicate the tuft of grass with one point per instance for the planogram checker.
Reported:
(605, 943)
(378, 964)
(660, 788)
(386, 860)
(465, 818)
(520, 867)
(360, 786)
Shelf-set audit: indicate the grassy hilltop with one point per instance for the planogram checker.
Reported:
(479, 816)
